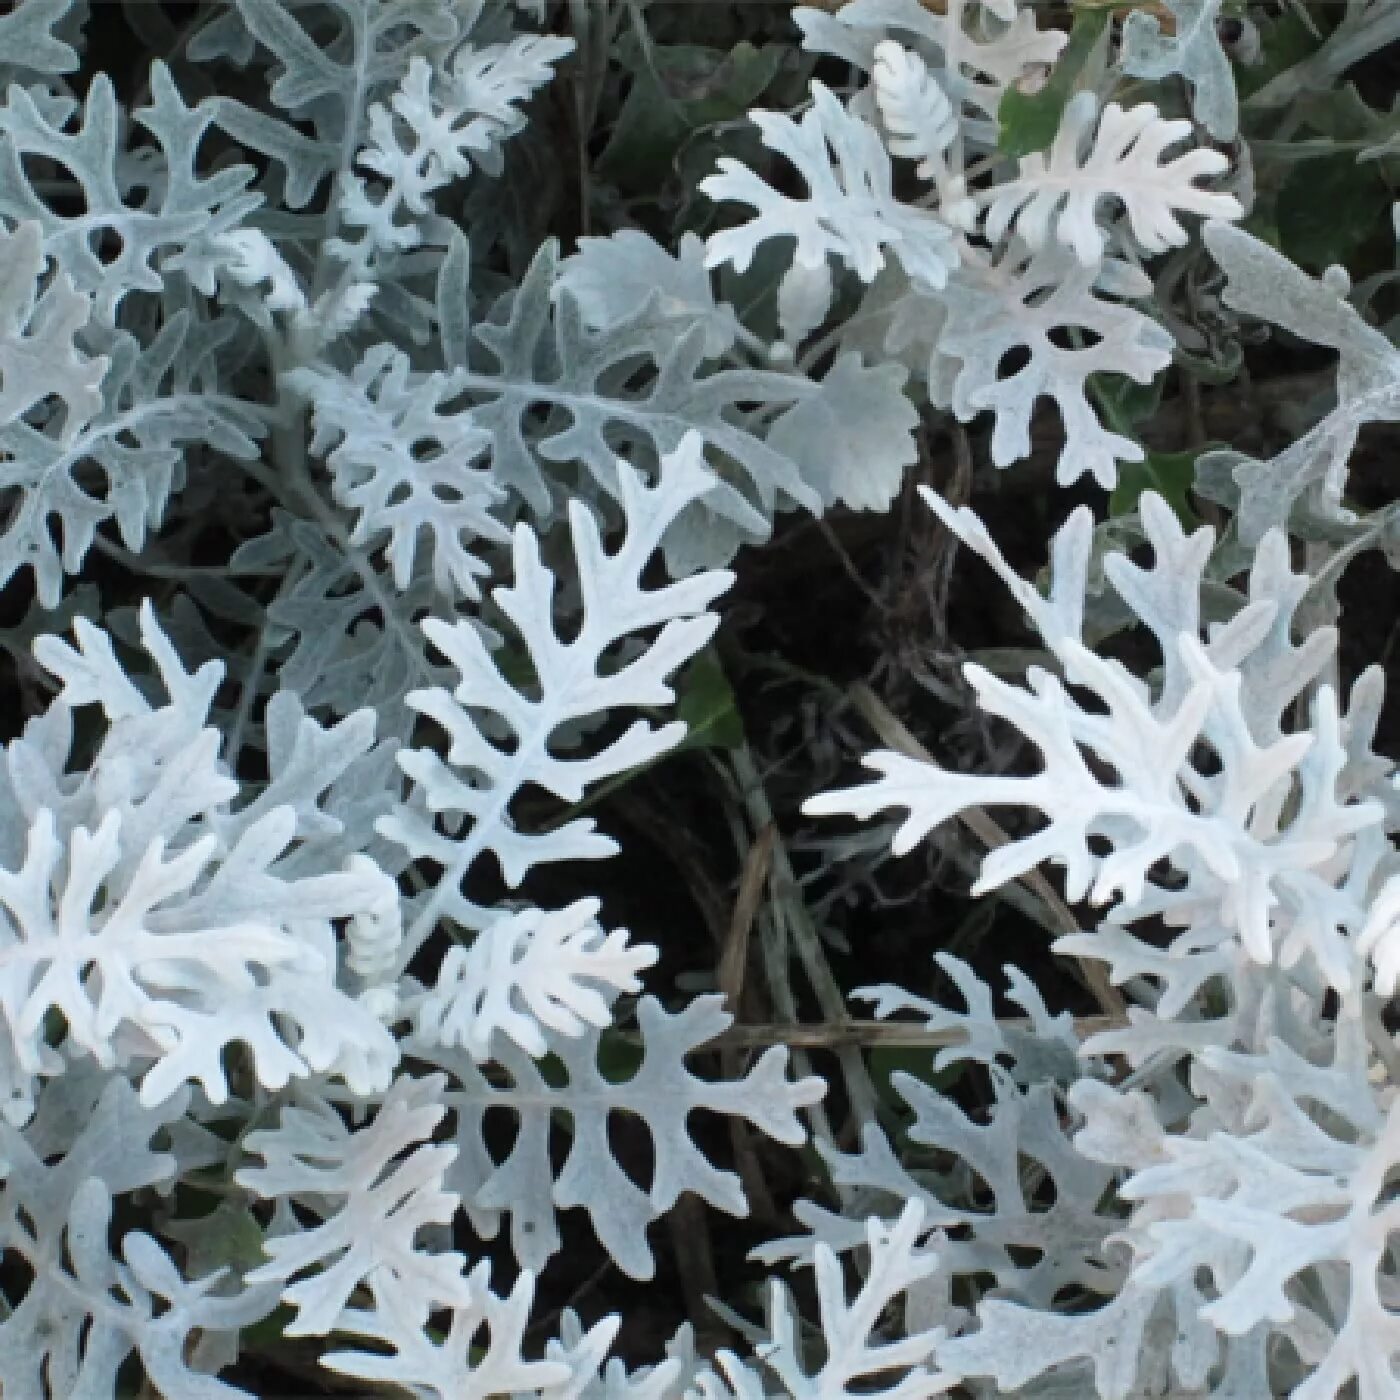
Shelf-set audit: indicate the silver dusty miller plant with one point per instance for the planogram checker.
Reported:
(359, 537)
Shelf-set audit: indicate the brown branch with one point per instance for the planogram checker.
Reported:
(1121, 8)
(828, 1035)
(735, 955)
(733, 964)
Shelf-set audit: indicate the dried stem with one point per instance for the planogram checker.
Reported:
(791, 914)
(831, 1035)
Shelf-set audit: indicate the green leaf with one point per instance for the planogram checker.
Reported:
(1282, 45)
(676, 90)
(1128, 401)
(619, 1057)
(1028, 121)
(1328, 207)
(269, 1333)
(706, 703)
(887, 1060)
(1170, 474)
(228, 1237)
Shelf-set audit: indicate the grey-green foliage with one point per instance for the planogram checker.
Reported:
(1312, 472)
(34, 39)
(245, 319)
(1192, 49)
(386, 391)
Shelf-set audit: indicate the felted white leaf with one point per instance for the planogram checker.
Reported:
(327, 75)
(921, 126)
(374, 1189)
(522, 1180)
(644, 379)
(348, 638)
(38, 356)
(1312, 471)
(917, 114)
(850, 211)
(613, 278)
(805, 296)
(148, 232)
(407, 467)
(528, 972)
(482, 769)
(160, 931)
(858, 1361)
(1192, 49)
(125, 461)
(90, 1304)
(854, 437)
(972, 62)
(435, 128)
(1276, 875)
(1029, 303)
(1058, 192)
(29, 42)
(457, 1366)
(1281, 1179)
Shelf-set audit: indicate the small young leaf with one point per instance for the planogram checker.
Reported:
(707, 707)
(1170, 474)
(228, 1237)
